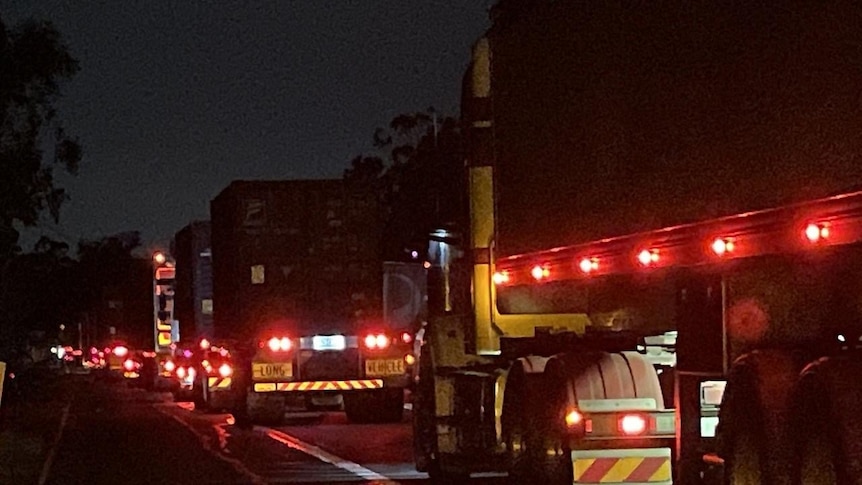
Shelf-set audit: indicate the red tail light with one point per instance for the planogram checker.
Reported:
(633, 424)
(181, 372)
(406, 337)
(205, 344)
(120, 351)
(170, 366)
(225, 370)
(283, 344)
(129, 365)
(377, 341)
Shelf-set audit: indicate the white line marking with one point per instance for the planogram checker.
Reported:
(205, 443)
(46, 467)
(322, 455)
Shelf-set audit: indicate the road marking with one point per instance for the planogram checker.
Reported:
(325, 456)
(205, 443)
(46, 467)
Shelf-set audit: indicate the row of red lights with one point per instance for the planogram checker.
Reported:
(721, 246)
(371, 341)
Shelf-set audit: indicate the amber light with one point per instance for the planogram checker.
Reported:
(816, 232)
(574, 418)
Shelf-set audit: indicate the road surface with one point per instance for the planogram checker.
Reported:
(117, 434)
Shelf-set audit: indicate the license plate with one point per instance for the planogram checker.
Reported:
(268, 371)
(384, 367)
(328, 342)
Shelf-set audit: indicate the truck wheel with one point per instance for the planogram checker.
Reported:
(753, 418)
(374, 406)
(265, 409)
(826, 422)
(537, 454)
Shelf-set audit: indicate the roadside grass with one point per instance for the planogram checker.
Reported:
(28, 427)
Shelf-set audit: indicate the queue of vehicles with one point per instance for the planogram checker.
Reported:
(701, 326)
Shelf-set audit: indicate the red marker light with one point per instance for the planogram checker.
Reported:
(501, 278)
(633, 424)
(406, 337)
(721, 246)
(205, 344)
(648, 257)
(815, 232)
(540, 272)
(589, 265)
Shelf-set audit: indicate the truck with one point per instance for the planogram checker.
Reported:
(663, 250)
(298, 284)
(194, 293)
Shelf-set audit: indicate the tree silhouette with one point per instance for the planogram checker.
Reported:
(32, 62)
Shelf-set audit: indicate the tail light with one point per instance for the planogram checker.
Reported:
(208, 368)
(181, 372)
(378, 341)
(225, 370)
(120, 351)
(279, 344)
(170, 366)
(205, 344)
(129, 365)
(633, 424)
(406, 337)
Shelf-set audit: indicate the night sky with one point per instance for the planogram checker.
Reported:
(176, 99)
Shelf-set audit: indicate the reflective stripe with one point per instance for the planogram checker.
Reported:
(219, 382)
(620, 466)
(319, 385)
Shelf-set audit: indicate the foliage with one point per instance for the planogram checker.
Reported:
(419, 176)
(33, 60)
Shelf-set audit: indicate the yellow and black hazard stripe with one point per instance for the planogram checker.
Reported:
(319, 385)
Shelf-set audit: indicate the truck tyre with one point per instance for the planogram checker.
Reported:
(374, 406)
(754, 415)
(537, 452)
(826, 422)
(265, 409)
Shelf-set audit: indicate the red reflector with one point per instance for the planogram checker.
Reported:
(633, 424)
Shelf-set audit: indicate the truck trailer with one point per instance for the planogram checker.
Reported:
(298, 283)
(665, 230)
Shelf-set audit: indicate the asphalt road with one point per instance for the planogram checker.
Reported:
(116, 434)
